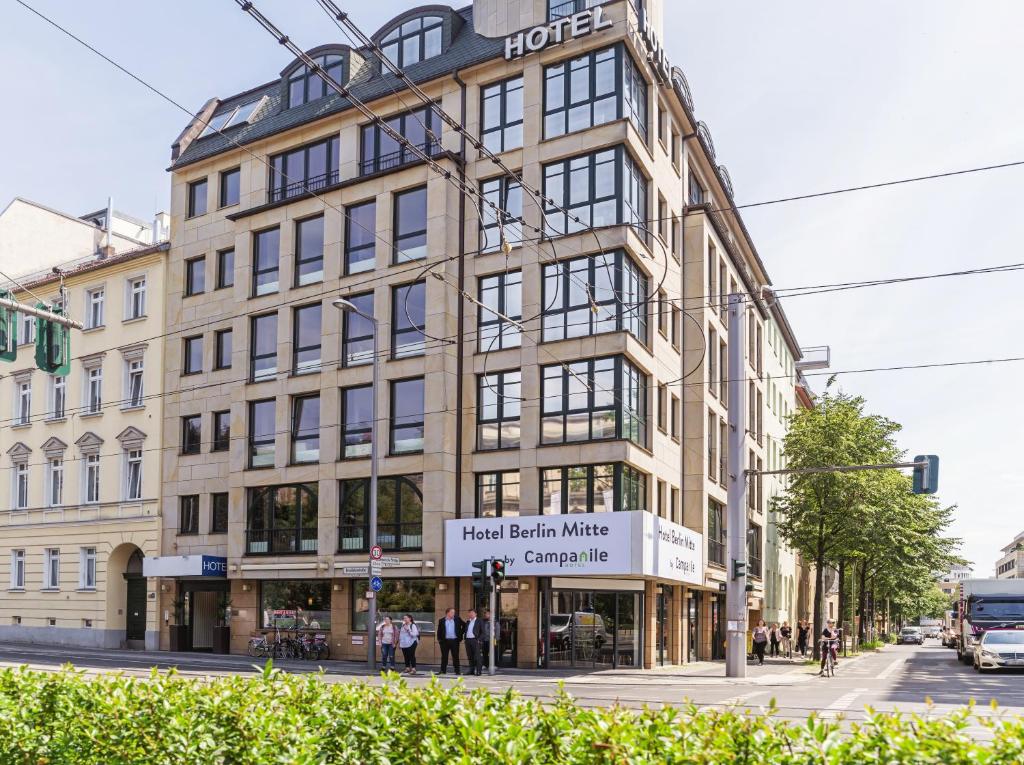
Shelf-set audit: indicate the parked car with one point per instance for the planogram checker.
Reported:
(909, 635)
(932, 632)
(1000, 649)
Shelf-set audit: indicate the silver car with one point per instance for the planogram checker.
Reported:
(1000, 649)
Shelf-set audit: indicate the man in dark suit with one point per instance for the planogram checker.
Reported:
(474, 639)
(450, 631)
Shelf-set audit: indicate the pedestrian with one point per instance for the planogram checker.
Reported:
(450, 631)
(829, 641)
(774, 637)
(408, 639)
(786, 633)
(760, 640)
(802, 632)
(473, 640)
(387, 639)
(488, 638)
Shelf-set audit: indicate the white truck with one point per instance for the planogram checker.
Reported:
(986, 604)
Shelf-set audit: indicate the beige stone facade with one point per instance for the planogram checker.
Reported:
(81, 473)
(296, 573)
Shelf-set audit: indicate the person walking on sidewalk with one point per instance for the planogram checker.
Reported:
(387, 638)
(760, 640)
(774, 637)
(786, 633)
(408, 639)
(802, 632)
(450, 631)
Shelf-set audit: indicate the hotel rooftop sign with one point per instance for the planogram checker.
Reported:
(557, 32)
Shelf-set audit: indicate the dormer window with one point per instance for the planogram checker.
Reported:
(305, 86)
(415, 40)
(238, 115)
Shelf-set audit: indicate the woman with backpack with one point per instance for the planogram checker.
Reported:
(408, 639)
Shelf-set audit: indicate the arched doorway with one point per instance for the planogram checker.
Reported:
(126, 597)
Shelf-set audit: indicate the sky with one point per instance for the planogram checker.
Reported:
(801, 96)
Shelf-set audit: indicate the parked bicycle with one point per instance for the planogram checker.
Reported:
(289, 646)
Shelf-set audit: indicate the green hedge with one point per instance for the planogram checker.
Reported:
(277, 718)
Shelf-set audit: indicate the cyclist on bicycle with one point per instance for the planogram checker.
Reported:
(830, 643)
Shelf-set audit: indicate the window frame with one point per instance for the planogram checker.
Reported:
(347, 428)
(308, 366)
(254, 357)
(215, 513)
(499, 493)
(260, 288)
(223, 196)
(491, 327)
(254, 442)
(218, 444)
(363, 357)
(225, 271)
(191, 434)
(133, 457)
(87, 568)
(194, 196)
(218, 347)
(18, 569)
(195, 276)
(408, 421)
(95, 303)
(314, 277)
(91, 478)
(500, 91)
(51, 568)
(135, 309)
(506, 194)
(188, 347)
(371, 136)
(400, 314)
(717, 533)
(285, 183)
(188, 510)
(347, 487)
(621, 473)
(399, 253)
(499, 382)
(363, 247)
(298, 436)
(390, 39)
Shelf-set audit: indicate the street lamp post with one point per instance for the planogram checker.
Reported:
(371, 618)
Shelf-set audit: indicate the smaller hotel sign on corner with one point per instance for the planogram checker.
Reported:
(557, 32)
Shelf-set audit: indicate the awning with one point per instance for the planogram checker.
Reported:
(185, 565)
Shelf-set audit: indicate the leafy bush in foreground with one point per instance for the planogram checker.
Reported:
(278, 718)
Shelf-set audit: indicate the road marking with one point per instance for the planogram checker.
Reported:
(737, 700)
(843, 703)
(886, 673)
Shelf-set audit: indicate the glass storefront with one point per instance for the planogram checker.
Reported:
(662, 652)
(693, 652)
(591, 629)
(398, 598)
(289, 604)
(717, 627)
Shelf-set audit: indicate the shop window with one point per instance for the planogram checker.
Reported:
(295, 604)
(398, 598)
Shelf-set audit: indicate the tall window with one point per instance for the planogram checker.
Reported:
(94, 301)
(399, 513)
(502, 117)
(410, 225)
(309, 251)
(17, 569)
(305, 169)
(197, 198)
(592, 89)
(219, 513)
(676, 417)
(408, 317)
(357, 332)
(754, 550)
(499, 397)
(266, 260)
(135, 376)
(497, 494)
(230, 187)
(222, 347)
(20, 486)
(304, 85)
(723, 373)
(307, 336)
(723, 441)
(282, 519)
(712, 447)
(133, 474)
(55, 482)
(713, 374)
(696, 190)
(94, 390)
(92, 478)
(193, 361)
(188, 519)
(416, 40)
(195, 276)
(23, 409)
(595, 294)
(87, 568)
(500, 295)
(51, 568)
(28, 328)
(136, 298)
(360, 237)
(716, 532)
(594, 399)
(305, 429)
(407, 416)
(191, 434)
(225, 268)
(356, 421)
(592, 489)
(600, 189)
(420, 128)
(507, 225)
(261, 433)
(221, 431)
(263, 347)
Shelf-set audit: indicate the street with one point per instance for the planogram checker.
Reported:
(898, 677)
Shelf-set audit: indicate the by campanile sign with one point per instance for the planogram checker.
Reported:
(585, 544)
(557, 32)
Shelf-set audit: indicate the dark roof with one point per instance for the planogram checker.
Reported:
(467, 49)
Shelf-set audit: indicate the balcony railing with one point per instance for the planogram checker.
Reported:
(280, 541)
(716, 552)
(398, 158)
(392, 537)
(298, 188)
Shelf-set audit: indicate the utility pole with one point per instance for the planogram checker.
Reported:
(736, 511)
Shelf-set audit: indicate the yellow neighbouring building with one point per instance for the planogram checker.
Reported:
(80, 484)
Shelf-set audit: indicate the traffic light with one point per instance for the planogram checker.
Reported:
(749, 587)
(497, 571)
(480, 575)
(739, 569)
(53, 344)
(926, 476)
(8, 332)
